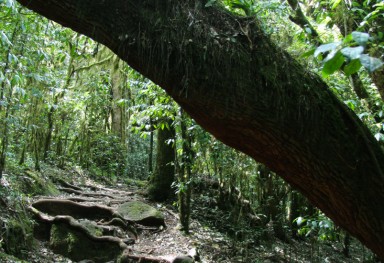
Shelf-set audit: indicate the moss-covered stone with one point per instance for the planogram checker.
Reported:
(34, 183)
(92, 227)
(77, 246)
(141, 213)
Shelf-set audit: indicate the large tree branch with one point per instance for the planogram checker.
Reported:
(247, 92)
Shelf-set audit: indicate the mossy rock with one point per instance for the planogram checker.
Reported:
(77, 246)
(18, 235)
(35, 184)
(92, 227)
(141, 213)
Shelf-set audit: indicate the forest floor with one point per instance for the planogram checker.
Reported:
(208, 231)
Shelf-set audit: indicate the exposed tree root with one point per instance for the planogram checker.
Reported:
(56, 207)
(65, 207)
(126, 258)
(98, 188)
(68, 185)
(94, 200)
(73, 191)
(80, 200)
(73, 224)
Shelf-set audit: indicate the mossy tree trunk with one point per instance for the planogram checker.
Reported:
(117, 82)
(233, 80)
(159, 188)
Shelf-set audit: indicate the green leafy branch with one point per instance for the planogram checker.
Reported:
(347, 55)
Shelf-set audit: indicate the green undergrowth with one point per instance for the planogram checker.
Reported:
(17, 186)
(16, 236)
(135, 182)
(10, 259)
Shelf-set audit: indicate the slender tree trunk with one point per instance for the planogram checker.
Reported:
(185, 175)
(159, 188)
(238, 85)
(6, 64)
(150, 150)
(36, 149)
(117, 80)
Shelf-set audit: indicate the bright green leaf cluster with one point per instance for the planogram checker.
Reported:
(348, 55)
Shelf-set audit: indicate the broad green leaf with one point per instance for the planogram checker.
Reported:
(348, 39)
(326, 48)
(333, 64)
(352, 67)
(352, 52)
(370, 63)
(360, 37)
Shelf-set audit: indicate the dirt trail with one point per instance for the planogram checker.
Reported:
(150, 243)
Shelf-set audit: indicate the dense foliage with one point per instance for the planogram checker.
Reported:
(68, 101)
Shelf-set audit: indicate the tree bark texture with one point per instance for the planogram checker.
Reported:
(230, 77)
(117, 80)
(164, 174)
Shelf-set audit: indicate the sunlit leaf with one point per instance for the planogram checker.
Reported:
(360, 37)
(370, 63)
(352, 52)
(326, 48)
